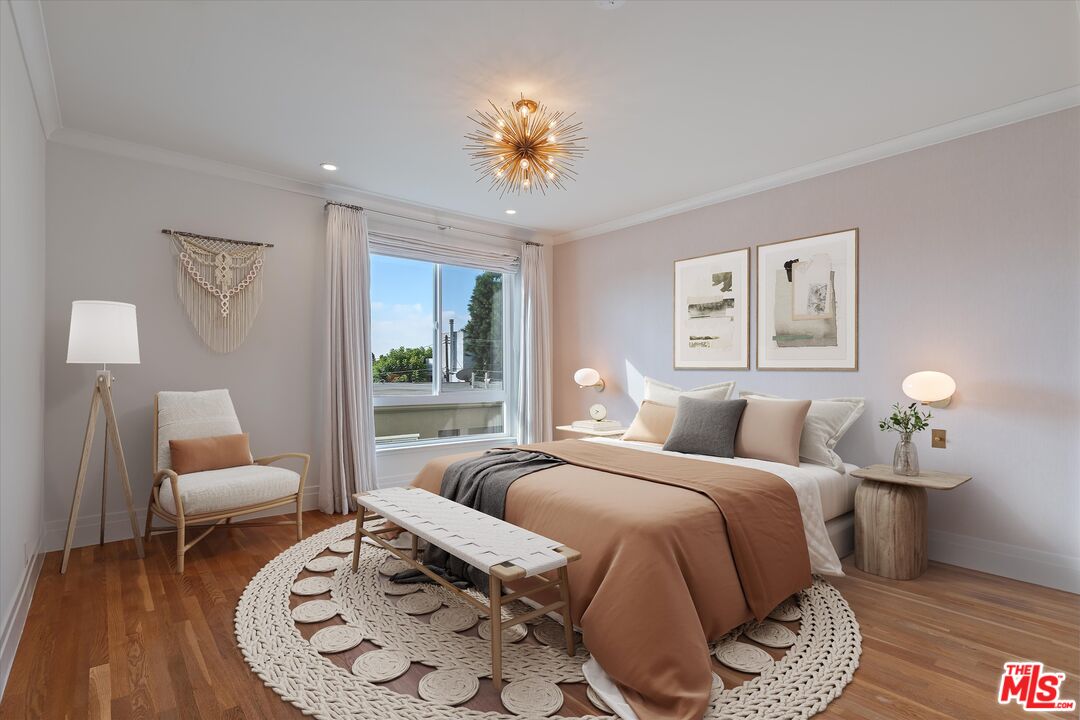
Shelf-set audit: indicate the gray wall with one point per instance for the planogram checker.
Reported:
(22, 300)
(969, 255)
(105, 243)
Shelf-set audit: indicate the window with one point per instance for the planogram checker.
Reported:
(439, 355)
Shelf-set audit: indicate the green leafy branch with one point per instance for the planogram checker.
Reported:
(905, 420)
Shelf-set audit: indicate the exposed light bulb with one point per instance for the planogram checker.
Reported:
(502, 123)
(497, 136)
(498, 173)
(524, 164)
(551, 175)
(551, 138)
(551, 124)
(526, 182)
(524, 110)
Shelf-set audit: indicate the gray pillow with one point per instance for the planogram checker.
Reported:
(705, 427)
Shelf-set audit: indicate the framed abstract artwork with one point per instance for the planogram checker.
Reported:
(808, 303)
(712, 311)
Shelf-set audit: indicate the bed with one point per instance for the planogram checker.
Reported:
(660, 573)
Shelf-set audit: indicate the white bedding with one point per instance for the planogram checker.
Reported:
(806, 480)
(837, 489)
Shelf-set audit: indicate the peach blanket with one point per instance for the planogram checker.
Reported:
(662, 572)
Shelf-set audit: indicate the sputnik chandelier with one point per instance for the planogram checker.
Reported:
(525, 148)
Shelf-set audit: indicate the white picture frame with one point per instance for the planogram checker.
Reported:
(808, 303)
(711, 320)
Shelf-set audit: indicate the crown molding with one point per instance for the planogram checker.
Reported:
(30, 28)
(1007, 115)
(325, 191)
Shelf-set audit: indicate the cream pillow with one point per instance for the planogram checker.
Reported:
(664, 394)
(827, 422)
(770, 430)
(652, 424)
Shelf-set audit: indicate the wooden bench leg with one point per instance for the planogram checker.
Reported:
(495, 603)
(358, 540)
(568, 621)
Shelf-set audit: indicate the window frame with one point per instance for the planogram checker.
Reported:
(507, 396)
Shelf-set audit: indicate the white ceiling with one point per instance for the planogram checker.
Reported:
(678, 99)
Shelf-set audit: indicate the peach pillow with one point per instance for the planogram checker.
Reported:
(209, 453)
(771, 430)
(652, 424)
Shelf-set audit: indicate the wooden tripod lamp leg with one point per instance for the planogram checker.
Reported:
(101, 396)
(80, 478)
(104, 386)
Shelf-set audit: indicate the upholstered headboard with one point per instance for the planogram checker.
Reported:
(186, 415)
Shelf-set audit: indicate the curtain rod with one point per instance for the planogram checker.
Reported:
(166, 231)
(441, 226)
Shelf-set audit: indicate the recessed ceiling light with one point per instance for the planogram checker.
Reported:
(328, 166)
(511, 212)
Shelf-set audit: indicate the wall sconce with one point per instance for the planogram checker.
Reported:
(929, 388)
(588, 377)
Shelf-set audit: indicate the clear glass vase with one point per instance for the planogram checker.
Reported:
(905, 459)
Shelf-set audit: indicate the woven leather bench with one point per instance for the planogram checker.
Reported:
(505, 552)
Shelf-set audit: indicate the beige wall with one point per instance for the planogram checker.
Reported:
(969, 254)
(22, 300)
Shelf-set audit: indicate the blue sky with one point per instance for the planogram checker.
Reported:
(402, 301)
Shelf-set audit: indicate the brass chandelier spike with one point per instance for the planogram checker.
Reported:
(526, 148)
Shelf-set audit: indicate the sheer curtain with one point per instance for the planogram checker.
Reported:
(534, 409)
(349, 452)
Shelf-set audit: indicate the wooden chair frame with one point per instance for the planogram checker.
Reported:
(184, 522)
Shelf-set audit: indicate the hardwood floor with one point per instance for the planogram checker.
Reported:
(121, 637)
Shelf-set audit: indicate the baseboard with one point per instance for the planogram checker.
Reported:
(16, 619)
(118, 527)
(1012, 561)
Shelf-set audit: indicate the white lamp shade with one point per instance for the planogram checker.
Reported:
(929, 386)
(587, 377)
(103, 332)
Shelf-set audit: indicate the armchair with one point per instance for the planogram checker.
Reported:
(204, 500)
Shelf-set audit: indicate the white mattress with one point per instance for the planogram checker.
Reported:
(837, 491)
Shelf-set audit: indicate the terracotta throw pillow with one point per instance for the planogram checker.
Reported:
(209, 453)
(652, 424)
(771, 430)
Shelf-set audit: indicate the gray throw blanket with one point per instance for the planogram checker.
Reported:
(481, 483)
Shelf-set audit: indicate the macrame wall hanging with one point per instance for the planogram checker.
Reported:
(219, 283)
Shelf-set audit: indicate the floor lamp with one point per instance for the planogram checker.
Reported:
(102, 332)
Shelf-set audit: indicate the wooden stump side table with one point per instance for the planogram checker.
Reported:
(890, 520)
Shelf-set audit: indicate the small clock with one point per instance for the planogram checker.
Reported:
(598, 412)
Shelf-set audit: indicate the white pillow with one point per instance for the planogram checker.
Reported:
(664, 394)
(825, 424)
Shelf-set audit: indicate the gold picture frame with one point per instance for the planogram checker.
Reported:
(720, 283)
(829, 312)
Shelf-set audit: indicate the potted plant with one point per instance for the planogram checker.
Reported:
(906, 421)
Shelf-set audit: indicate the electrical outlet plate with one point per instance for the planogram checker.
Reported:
(937, 438)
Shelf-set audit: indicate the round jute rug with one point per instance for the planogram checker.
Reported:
(810, 674)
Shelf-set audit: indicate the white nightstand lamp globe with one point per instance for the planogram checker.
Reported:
(589, 377)
(929, 388)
